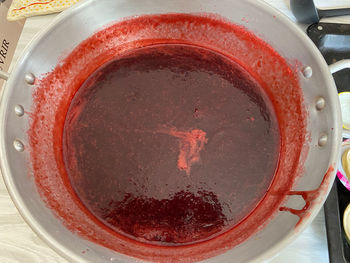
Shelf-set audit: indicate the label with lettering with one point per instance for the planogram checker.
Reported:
(3, 52)
(9, 36)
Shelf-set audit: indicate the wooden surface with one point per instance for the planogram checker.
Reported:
(19, 244)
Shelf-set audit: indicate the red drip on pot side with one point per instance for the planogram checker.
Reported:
(309, 197)
(55, 91)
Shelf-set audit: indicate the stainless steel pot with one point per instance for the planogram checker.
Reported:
(73, 26)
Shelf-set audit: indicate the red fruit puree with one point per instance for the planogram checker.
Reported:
(169, 138)
(171, 144)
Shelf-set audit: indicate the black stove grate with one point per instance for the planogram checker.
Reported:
(333, 40)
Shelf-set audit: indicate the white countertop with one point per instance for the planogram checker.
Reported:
(19, 244)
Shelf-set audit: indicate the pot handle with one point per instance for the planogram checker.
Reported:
(4, 75)
(340, 65)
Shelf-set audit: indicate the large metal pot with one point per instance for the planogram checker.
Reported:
(316, 165)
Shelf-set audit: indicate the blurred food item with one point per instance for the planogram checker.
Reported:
(344, 98)
(25, 8)
(346, 162)
(346, 223)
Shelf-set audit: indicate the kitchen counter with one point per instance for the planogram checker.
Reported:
(18, 243)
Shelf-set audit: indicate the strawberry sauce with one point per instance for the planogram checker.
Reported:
(171, 144)
(202, 137)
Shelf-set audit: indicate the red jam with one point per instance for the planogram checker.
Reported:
(194, 151)
(171, 144)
